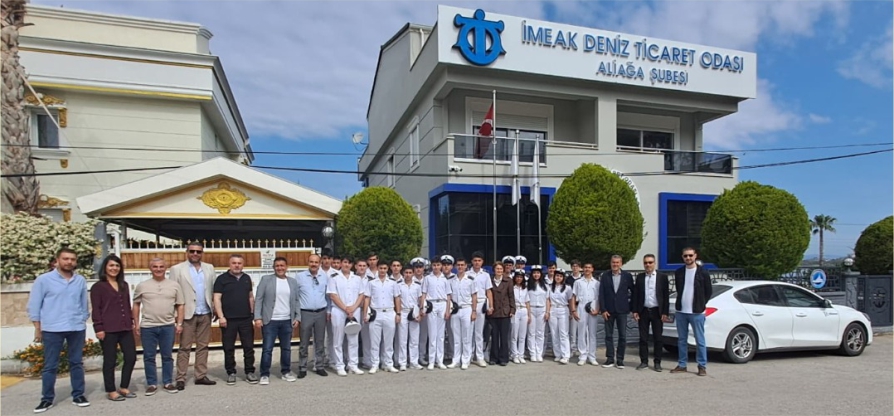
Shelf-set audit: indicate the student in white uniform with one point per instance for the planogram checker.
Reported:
(547, 334)
(571, 277)
(408, 330)
(484, 284)
(436, 289)
(538, 299)
(447, 271)
(394, 274)
(519, 325)
(418, 265)
(371, 265)
(557, 311)
(346, 291)
(382, 296)
(586, 291)
(465, 295)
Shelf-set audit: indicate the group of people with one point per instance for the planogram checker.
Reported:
(363, 313)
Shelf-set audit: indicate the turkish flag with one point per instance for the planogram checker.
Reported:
(485, 132)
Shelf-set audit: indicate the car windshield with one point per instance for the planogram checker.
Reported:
(716, 290)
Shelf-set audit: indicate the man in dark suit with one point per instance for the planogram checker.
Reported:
(650, 309)
(693, 285)
(616, 299)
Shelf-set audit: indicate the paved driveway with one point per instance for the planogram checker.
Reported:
(772, 384)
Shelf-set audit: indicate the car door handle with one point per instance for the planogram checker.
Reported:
(757, 313)
(801, 314)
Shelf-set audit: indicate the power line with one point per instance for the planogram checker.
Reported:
(414, 174)
(286, 153)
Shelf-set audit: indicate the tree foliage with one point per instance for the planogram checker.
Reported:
(379, 220)
(29, 242)
(874, 253)
(593, 216)
(760, 228)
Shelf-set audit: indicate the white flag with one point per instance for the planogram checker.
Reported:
(535, 178)
(516, 186)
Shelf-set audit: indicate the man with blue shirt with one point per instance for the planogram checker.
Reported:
(315, 316)
(196, 279)
(57, 307)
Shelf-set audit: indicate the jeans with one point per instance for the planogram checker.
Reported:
(52, 348)
(158, 339)
(281, 329)
(618, 320)
(110, 357)
(697, 320)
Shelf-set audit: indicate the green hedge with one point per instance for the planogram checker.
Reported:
(379, 220)
(875, 248)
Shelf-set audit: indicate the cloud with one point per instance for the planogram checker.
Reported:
(872, 63)
(818, 119)
(758, 120)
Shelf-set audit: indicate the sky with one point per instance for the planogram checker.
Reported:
(302, 72)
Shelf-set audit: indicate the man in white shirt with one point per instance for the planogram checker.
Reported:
(436, 289)
(484, 283)
(693, 284)
(465, 295)
(346, 292)
(383, 296)
(650, 309)
(586, 291)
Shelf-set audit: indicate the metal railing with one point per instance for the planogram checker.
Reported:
(701, 162)
(474, 147)
(221, 244)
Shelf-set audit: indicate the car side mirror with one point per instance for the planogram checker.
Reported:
(827, 303)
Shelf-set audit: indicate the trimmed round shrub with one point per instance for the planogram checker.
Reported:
(378, 220)
(593, 216)
(875, 248)
(763, 229)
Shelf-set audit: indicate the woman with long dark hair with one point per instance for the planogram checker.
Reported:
(558, 315)
(539, 300)
(521, 319)
(113, 324)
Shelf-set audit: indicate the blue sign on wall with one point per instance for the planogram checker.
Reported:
(481, 30)
(818, 278)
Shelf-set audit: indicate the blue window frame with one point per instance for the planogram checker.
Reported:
(680, 218)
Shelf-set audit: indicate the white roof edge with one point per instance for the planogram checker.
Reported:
(109, 18)
(93, 204)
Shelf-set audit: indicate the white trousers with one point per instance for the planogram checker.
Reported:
(339, 336)
(558, 328)
(381, 337)
(572, 332)
(480, 353)
(586, 334)
(423, 339)
(365, 344)
(436, 333)
(536, 332)
(461, 326)
(407, 340)
(518, 333)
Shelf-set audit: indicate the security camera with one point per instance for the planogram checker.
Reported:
(454, 169)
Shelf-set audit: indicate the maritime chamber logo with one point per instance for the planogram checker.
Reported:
(483, 32)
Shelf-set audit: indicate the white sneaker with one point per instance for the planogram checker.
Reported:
(452, 365)
(403, 368)
(557, 359)
(563, 361)
(521, 360)
(357, 371)
(581, 361)
(265, 380)
(515, 360)
(417, 367)
(482, 363)
(442, 366)
(290, 376)
(373, 370)
(431, 366)
(392, 370)
(341, 373)
(464, 367)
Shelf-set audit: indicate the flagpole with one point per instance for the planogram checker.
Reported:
(516, 184)
(539, 225)
(494, 154)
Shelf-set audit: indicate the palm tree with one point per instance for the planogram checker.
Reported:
(19, 193)
(820, 224)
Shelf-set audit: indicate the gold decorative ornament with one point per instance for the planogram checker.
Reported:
(66, 215)
(47, 100)
(63, 117)
(63, 163)
(45, 201)
(224, 198)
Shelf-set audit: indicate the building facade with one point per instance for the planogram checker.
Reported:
(112, 89)
(629, 103)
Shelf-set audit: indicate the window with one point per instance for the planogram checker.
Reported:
(760, 295)
(390, 170)
(684, 224)
(414, 146)
(800, 298)
(44, 132)
(645, 139)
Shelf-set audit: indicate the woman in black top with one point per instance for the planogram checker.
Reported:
(113, 324)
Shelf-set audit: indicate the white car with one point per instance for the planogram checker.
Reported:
(743, 318)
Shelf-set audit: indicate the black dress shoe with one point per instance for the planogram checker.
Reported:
(322, 372)
(642, 366)
(181, 385)
(302, 374)
(205, 381)
(658, 366)
(503, 364)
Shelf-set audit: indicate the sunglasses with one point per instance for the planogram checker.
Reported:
(686, 256)
(316, 282)
(195, 251)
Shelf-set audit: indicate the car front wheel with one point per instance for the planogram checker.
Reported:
(741, 345)
(854, 340)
